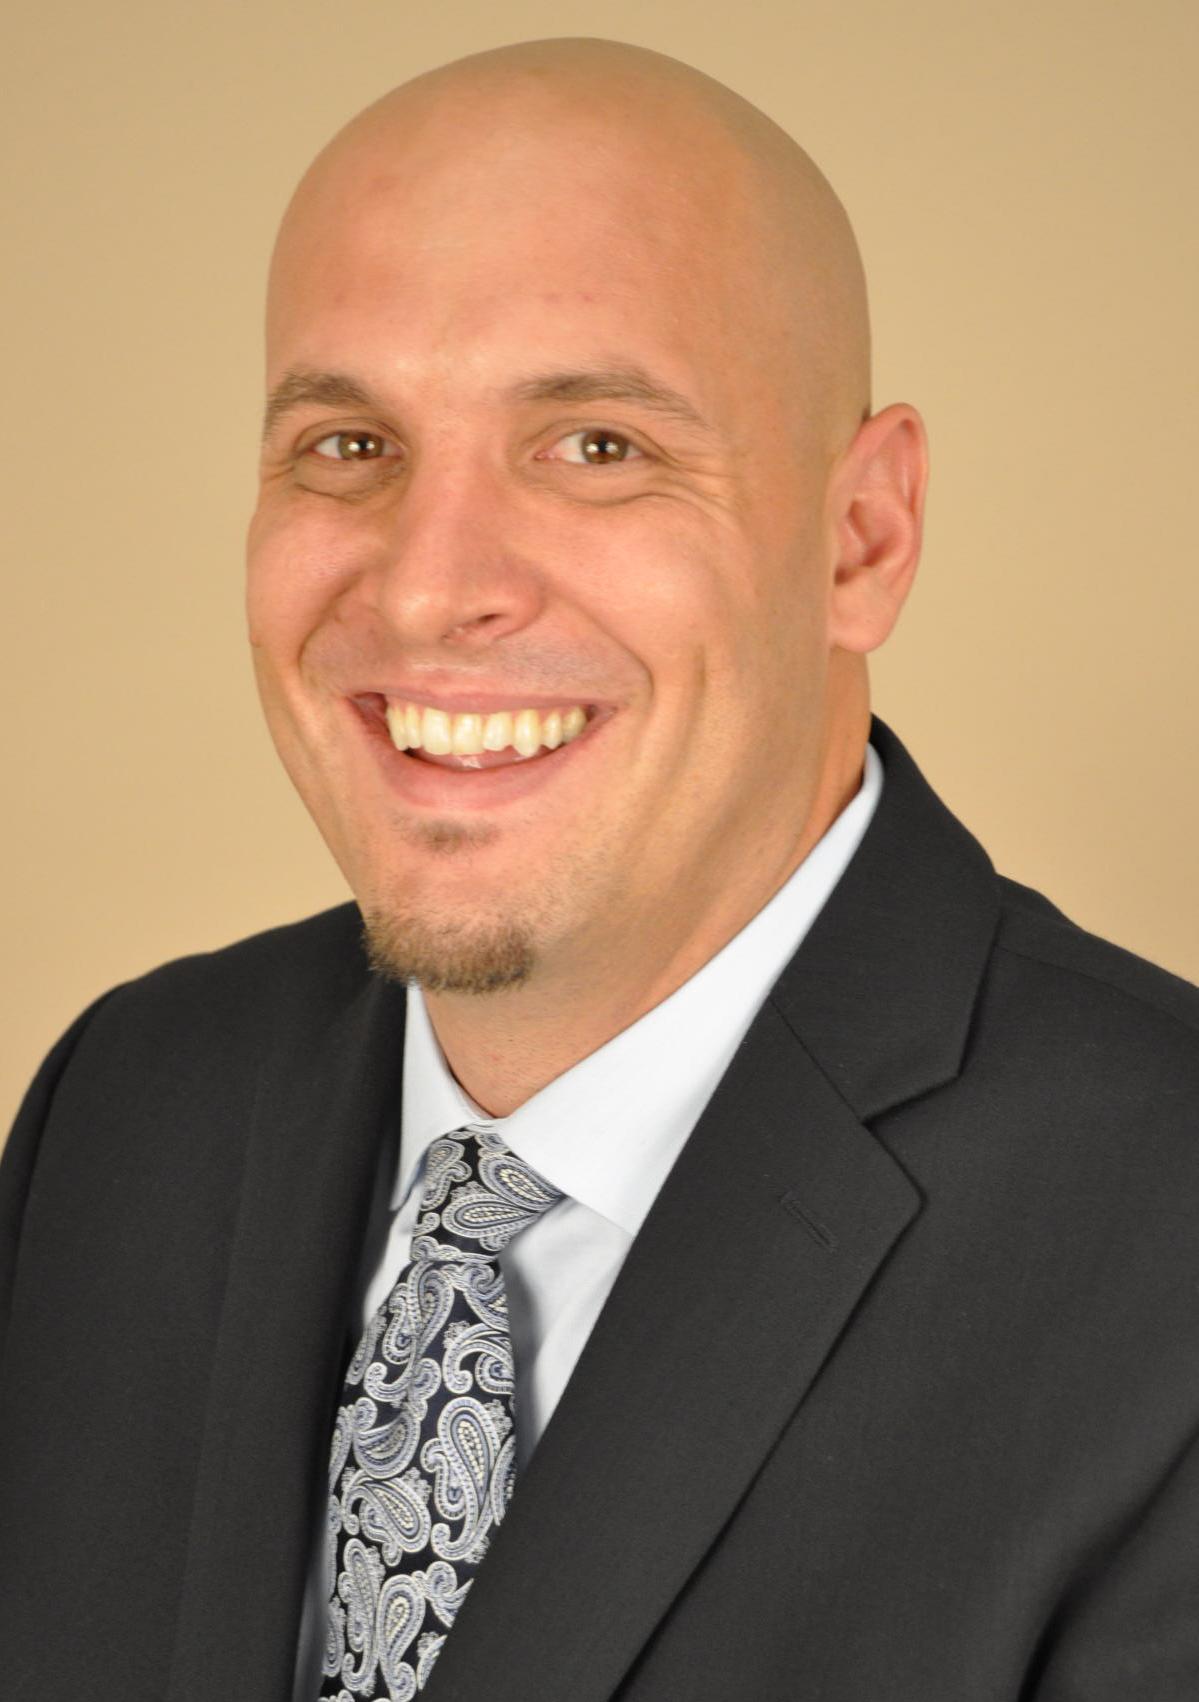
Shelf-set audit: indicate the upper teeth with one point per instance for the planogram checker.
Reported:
(414, 726)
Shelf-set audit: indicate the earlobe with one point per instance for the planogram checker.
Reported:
(877, 496)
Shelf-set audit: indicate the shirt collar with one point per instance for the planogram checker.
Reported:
(607, 1131)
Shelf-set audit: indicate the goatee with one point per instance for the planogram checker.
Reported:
(444, 957)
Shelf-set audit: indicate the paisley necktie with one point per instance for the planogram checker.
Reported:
(423, 1448)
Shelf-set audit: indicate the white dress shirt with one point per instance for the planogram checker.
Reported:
(605, 1133)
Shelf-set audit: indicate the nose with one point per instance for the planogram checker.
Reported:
(450, 567)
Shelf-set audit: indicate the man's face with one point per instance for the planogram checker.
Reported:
(494, 499)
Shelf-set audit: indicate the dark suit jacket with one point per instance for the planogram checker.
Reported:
(895, 1399)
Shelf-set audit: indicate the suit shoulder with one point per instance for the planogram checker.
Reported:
(178, 1049)
(318, 943)
(298, 973)
(1116, 987)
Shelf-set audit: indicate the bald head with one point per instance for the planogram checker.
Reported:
(568, 360)
(594, 154)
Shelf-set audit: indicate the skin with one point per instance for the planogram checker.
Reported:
(557, 207)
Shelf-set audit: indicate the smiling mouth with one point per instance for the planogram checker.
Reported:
(473, 739)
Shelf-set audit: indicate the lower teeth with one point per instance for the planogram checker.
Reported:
(473, 761)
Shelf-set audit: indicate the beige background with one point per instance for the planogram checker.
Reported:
(1023, 181)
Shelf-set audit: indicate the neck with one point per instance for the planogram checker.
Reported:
(504, 1047)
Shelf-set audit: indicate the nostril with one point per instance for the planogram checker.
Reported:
(476, 623)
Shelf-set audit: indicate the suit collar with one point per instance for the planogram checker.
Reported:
(883, 991)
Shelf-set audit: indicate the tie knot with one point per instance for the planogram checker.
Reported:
(478, 1194)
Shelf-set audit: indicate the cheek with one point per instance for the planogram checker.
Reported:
(791, 590)
(667, 579)
(296, 567)
(776, 648)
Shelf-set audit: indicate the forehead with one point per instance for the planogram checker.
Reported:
(539, 248)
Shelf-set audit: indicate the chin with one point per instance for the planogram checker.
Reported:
(447, 956)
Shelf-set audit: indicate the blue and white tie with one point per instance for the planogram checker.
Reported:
(423, 1454)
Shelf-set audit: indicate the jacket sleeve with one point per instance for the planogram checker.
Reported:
(18, 1161)
(1132, 1629)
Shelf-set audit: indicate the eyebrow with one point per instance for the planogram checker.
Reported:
(611, 384)
(327, 389)
(586, 384)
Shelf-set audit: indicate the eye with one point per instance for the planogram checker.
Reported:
(352, 446)
(595, 447)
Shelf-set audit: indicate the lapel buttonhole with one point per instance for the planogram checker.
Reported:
(820, 1233)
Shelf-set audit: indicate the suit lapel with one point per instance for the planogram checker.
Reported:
(743, 1276)
(780, 1211)
(327, 1103)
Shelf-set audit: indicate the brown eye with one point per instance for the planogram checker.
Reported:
(600, 447)
(350, 446)
(596, 447)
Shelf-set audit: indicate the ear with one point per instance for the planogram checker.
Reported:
(876, 511)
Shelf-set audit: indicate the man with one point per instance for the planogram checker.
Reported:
(804, 1215)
